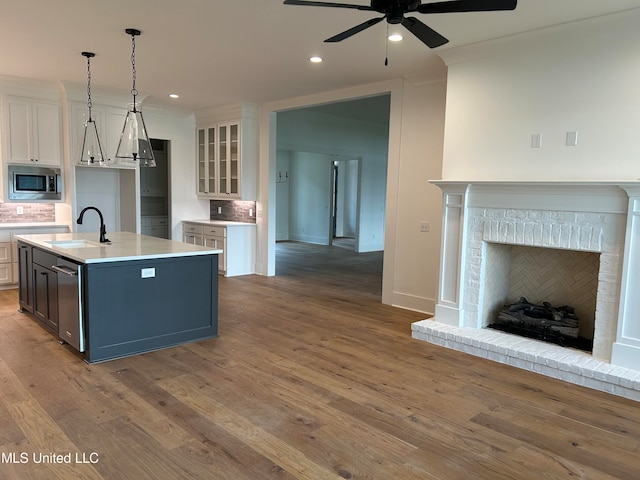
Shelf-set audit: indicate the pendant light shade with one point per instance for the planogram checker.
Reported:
(134, 146)
(134, 143)
(91, 146)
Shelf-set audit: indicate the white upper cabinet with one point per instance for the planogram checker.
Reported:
(32, 132)
(227, 154)
(109, 122)
(219, 169)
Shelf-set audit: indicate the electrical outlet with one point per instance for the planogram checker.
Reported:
(536, 140)
(219, 210)
(251, 212)
(147, 272)
(20, 210)
(424, 226)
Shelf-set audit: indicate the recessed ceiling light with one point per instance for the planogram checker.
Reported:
(174, 95)
(395, 37)
(315, 59)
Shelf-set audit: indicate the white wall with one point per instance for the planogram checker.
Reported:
(581, 77)
(312, 132)
(283, 163)
(414, 256)
(310, 196)
(347, 201)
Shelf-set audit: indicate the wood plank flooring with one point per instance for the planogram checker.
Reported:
(311, 378)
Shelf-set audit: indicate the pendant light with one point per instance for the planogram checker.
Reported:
(134, 146)
(91, 147)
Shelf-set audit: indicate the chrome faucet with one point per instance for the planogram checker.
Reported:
(103, 230)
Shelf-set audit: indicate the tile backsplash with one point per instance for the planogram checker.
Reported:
(31, 212)
(233, 211)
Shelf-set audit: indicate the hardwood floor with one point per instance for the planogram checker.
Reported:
(311, 378)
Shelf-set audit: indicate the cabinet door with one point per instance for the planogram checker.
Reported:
(18, 131)
(6, 269)
(212, 170)
(201, 167)
(46, 133)
(25, 286)
(207, 170)
(6, 273)
(223, 159)
(217, 243)
(45, 287)
(234, 160)
(115, 122)
(33, 132)
(193, 238)
(229, 160)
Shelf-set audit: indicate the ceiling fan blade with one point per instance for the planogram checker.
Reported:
(327, 4)
(467, 6)
(354, 30)
(426, 35)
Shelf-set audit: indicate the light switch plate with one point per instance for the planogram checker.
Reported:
(572, 139)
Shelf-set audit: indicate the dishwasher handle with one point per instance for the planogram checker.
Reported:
(64, 270)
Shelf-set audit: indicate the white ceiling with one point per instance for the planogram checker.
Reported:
(217, 52)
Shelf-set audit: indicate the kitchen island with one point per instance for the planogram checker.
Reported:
(134, 295)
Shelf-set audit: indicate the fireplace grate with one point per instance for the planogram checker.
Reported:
(543, 322)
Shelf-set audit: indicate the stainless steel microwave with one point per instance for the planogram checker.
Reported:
(28, 182)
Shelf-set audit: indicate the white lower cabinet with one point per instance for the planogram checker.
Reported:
(236, 240)
(6, 269)
(192, 233)
(9, 250)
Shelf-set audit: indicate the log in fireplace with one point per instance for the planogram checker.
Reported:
(544, 322)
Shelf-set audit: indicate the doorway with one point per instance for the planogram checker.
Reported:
(154, 192)
(344, 204)
(331, 165)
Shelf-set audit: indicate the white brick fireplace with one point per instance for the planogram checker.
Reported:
(483, 221)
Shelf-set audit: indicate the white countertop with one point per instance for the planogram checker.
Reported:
(25, 225)
(222, 223)
(124, 246)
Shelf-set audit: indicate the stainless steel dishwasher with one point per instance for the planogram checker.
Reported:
(71, 323)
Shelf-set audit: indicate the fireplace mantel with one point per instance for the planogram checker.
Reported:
(594, 216)
(605, 196)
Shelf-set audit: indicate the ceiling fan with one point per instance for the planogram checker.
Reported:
(394, 12)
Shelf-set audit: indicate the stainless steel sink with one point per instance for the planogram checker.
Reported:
(72, 243)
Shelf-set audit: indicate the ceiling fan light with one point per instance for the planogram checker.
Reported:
(315, 59)
(395, 37)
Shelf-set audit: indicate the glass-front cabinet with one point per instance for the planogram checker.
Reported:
(219, 160)
(227, 152)
(207, 161)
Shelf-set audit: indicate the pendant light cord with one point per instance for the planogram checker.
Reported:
(134, 92)
(89, 103)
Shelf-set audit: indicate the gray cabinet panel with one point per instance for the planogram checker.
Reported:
(142, 305)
